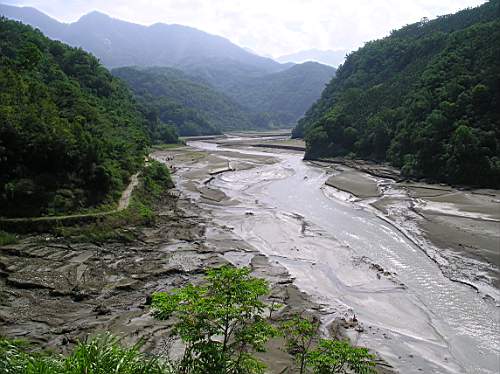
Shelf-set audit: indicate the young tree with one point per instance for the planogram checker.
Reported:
(333, 356)
(221, 321)
(299, 334)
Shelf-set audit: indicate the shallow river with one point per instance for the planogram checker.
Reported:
(416, 318)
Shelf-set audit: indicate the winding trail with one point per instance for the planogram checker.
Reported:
(123, 204)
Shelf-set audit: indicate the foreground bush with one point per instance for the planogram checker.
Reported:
(101, 355)
(221, 322)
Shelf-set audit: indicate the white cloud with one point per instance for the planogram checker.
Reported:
(271, 27)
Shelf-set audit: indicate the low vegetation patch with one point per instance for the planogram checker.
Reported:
(154, 181)
(7, 238)
(222, 323)
(103, 354)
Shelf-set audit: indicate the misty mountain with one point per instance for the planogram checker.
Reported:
(119, 43)
(328, 57)
(286, 95)
(168, 88)
(212, 60)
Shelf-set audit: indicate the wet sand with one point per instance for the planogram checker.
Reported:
(55, 292)
(463, 225)
(391, 317)
(359, 184)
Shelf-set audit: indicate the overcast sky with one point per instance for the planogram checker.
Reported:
(268, 27)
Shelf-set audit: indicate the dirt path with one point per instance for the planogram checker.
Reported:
(123, 203)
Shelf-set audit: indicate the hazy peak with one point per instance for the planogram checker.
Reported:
(328, 57)
(94, 15)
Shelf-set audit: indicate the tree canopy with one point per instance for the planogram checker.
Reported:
(425, 98)
(70, 133)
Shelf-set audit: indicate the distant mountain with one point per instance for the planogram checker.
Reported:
(286, 95)
(328, 57)
(119, 43)
(168, 88)
(426, 98)
(211, 59)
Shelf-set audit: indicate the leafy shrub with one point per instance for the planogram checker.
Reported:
(221, 321)
(7, 238)
(101, 355)
(339, 357)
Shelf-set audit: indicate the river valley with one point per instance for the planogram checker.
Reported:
(352, 262)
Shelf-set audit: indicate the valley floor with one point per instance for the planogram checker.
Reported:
(345, 241)
(362, 244)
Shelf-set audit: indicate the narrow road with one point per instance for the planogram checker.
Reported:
(123, 203)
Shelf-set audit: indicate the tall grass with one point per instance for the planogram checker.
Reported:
(100, 355)
(7, 238)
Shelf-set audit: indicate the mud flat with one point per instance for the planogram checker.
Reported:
(55, 292)
(355, 260)
(353, 182)
(459, 229)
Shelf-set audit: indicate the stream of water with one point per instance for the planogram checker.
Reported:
(419, 320)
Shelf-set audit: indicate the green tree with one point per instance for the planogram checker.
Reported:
(299, 333)
(401, 99)
(220, 322)
(339, 357)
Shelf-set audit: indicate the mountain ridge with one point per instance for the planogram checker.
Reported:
(328, 57)
(212, 59)
(424, 98)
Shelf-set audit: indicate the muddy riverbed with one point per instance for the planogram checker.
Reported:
(55, 292)
(414, 265)
(361, 247)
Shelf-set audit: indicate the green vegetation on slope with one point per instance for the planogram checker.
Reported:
(233, 89)
(70, 133)
(154, 181)
(193, 107)
(425, 98)
(282, 98)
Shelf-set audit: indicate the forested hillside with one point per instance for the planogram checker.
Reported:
(426, 98)
(284, 96)
(193, 107)
(272, 94)
(70, 133)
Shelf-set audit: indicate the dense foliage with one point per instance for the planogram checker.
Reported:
(192, 106)
(103, 354)
(221, 322)
(70, 133)
(426, 98)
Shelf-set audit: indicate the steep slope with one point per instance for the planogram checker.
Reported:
(167, 86)
(284, 96)
(213, 60)
(70, 133)
(425, 98)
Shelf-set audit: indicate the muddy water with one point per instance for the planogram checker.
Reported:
(353, 262)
